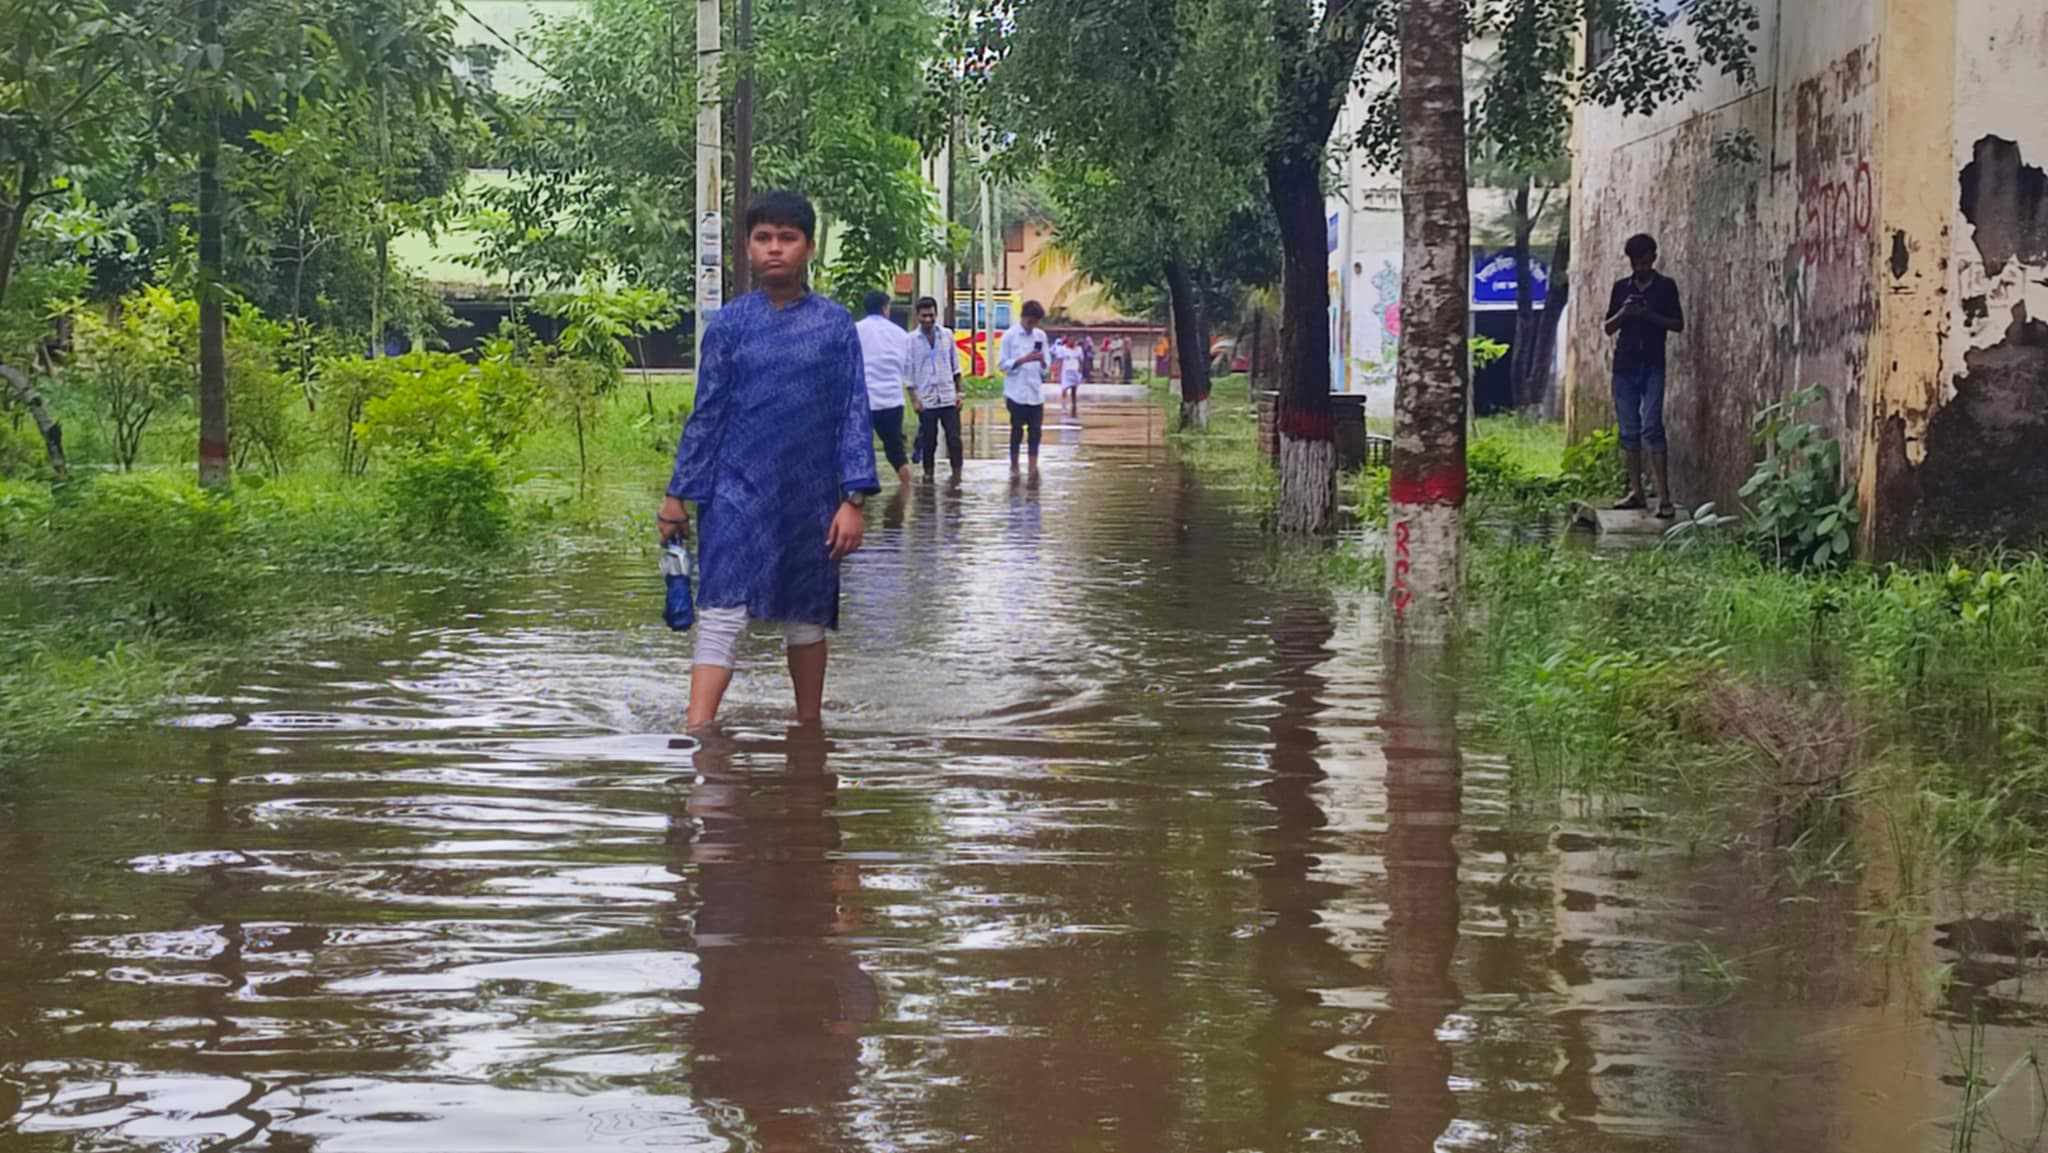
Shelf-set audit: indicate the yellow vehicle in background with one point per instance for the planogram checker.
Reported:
(970, 332)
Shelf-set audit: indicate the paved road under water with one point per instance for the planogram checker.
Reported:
(1109, 848)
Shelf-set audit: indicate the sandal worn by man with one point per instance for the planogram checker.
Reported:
(1667, 511)
(1630, 502)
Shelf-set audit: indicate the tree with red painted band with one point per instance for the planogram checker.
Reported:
(1427, 488)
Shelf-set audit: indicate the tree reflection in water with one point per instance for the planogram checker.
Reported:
(1420, 855)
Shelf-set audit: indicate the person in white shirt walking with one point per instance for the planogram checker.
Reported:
(1023, 362)
(1068, 355)
(935, 389)
(885, 354)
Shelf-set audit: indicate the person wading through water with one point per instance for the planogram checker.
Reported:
(1643, 309)
(935, 389)
(779, 458)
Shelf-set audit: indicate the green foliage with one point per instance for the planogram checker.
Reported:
(429, 402)
(1485, 350)
(263, 400)
(981, 387)
(450, 494)
(148, 550)
(136, 365)
(21, 450)
(598, 322)
(1798, 514)
(1593, 466)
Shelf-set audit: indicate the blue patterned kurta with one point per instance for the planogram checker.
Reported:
(779, 435)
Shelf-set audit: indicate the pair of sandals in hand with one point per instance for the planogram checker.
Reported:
(1665, 509)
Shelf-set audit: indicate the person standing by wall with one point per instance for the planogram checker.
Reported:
(935, 389)
(779, 458)
(885, 350)
(1642, 310)
(1023, 364)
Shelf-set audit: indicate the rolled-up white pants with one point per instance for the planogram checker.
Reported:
(719, 629)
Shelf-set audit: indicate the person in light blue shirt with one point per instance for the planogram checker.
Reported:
(1023, 361)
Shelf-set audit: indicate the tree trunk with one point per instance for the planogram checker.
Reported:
(17, 222)
(382, 244)
(1427, 489)
(213, 384)
(1525, 357)
(1308, 433)
(1191, 336)
(1553, 315)
(53, 432)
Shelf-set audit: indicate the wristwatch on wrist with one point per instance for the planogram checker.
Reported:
(857, 499)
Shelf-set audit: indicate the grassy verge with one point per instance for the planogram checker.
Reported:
(118, 591)
(1744, 704)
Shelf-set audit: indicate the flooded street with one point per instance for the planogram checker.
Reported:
(1109, 847)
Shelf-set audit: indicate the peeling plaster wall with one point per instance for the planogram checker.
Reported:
(1774, 253)
(1973, 464)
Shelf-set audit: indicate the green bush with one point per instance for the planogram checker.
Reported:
(1799, 516)
(1593, 468)
(147, 550)
(426, 402)
(21, 451)
(456, 495)
(136, 365)
(263, 400)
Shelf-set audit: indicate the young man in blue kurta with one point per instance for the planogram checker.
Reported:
(779, 458)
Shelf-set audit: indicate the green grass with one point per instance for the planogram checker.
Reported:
(117, 592)
(1532, 446)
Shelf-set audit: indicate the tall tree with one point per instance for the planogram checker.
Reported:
(67, 80)
(1427, 489)
(1313, 58)
(1142, 120)
(393, 60)
(214, 465)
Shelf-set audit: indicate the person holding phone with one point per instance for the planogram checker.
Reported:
(1642, 310)
(1023, 360)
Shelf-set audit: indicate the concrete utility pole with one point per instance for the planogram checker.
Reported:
(988, 271)
(710, 179)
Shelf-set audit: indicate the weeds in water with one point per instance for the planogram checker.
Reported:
(1973, 1119)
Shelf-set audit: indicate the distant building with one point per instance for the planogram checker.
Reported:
(1363, 214)
(1870, 218)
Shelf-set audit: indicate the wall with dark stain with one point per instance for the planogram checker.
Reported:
(1848, 257)
(1972, 467)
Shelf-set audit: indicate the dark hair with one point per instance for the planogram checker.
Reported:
(1034, 310)
(924, 302)
(876, 303)
(1641, 244)
(782, 206)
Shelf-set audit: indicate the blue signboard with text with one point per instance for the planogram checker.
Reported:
(1493, 280)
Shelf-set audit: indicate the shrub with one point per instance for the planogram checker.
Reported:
(1593, 467)
(1798, 514)
(459, 494)
(262, 398)
(427, 402)
(22, 453)
(150, 550)
(136, 365)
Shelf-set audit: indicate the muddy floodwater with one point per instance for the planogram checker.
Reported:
(1108, 846)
